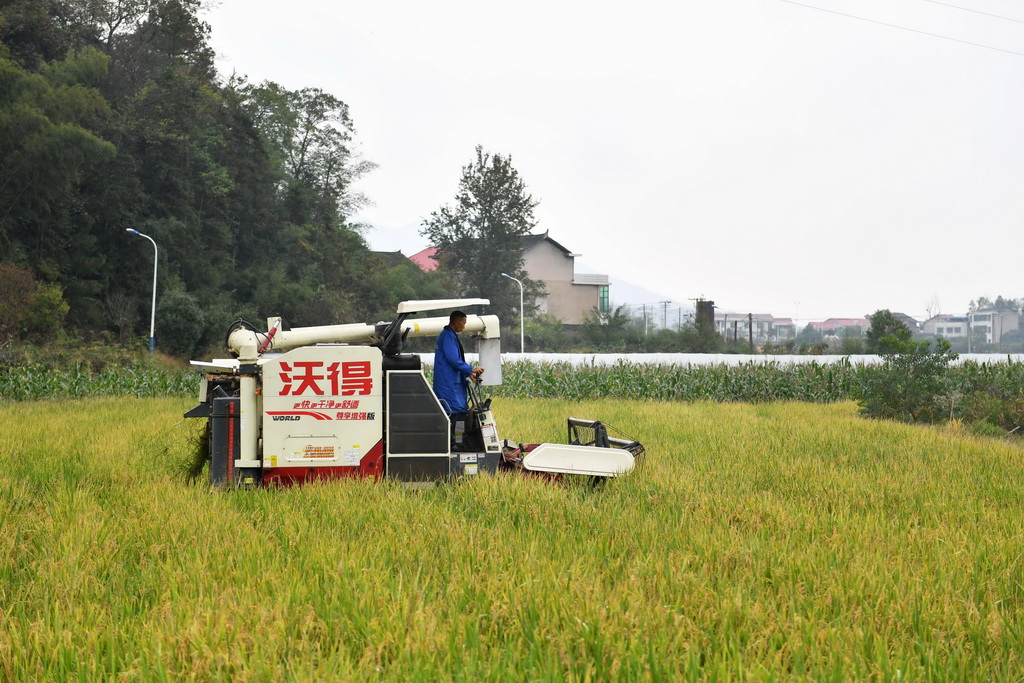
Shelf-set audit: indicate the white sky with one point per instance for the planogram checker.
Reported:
(770, 156)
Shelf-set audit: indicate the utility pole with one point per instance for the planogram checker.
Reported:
(750, 329)
(970, 329)
(664, 314)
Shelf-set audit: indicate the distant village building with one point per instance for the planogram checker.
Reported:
(570, 295)
(835, 326)
(912, 324)
(993, 324)
(766, 327)
(946, 326)
(785, 328)
(425, 259)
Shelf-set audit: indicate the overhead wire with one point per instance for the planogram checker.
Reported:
(905, 28)
(976, 11)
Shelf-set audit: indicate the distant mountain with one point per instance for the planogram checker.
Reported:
(623, 292)
(638, 298)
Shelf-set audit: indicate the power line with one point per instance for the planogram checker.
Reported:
(905, 28)
(968, 9)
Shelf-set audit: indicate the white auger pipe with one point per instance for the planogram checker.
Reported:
(355, 333)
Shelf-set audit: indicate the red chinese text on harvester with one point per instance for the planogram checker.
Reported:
(314, 377)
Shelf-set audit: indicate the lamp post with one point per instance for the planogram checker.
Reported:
(522, 327)
(152, 315)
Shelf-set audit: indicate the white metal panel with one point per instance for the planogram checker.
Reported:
(322, 406)
(589, 460)
(216, 365)
(435, 304)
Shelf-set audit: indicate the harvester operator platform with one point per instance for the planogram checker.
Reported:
(451, 368)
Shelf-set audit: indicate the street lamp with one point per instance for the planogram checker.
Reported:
(522, 328)
(152, 315)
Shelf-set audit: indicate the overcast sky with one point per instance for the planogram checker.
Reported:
(771, 156)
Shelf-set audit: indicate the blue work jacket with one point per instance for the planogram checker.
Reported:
(450, 372)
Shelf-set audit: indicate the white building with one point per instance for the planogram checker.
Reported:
(766, 326)
(946, 326)
(993, 324)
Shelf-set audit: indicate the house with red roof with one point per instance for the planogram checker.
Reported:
(570, 295)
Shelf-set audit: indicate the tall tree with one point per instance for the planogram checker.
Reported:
(479, 237)
(309, 133)
(885, 330)
(112, 116)
(611, 330)
(47, 145)
(1000, 304)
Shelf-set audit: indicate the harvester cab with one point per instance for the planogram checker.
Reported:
(344, 401)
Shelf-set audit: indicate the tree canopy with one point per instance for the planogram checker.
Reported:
(884, 328)
(983, 303)
(479, 236)
(112, 116)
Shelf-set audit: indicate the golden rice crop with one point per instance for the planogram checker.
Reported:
(785, 539)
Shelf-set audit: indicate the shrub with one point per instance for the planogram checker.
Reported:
(16, 288)
(910, 385)
(29, 309)
(181, 323)
(46, 313)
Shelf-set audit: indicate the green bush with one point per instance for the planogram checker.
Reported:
(181, 323)
(911, 383)
(29, 309)
(46, 313)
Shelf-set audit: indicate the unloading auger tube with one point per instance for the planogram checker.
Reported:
(344, 401)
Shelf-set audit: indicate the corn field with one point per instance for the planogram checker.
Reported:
(35, 382)
(747, 382)
(750, 382)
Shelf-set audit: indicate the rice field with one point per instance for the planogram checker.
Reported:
(778, 540)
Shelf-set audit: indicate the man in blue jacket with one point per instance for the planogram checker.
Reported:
(451, 368)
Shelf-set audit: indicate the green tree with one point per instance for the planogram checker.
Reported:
(883, 324)
(910, 385)
(479, 237)
(698, 338)
(47, 144)
(29, 309)
(248, 192)
(809, 336)
(1000, 304)
(39, 31)
(309, 134)
(547, 333)
(851, 340)
(180, 323)
(610, 331)
(47, 313)
(16, 289)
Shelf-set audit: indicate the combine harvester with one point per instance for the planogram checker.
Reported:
(344, 401)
